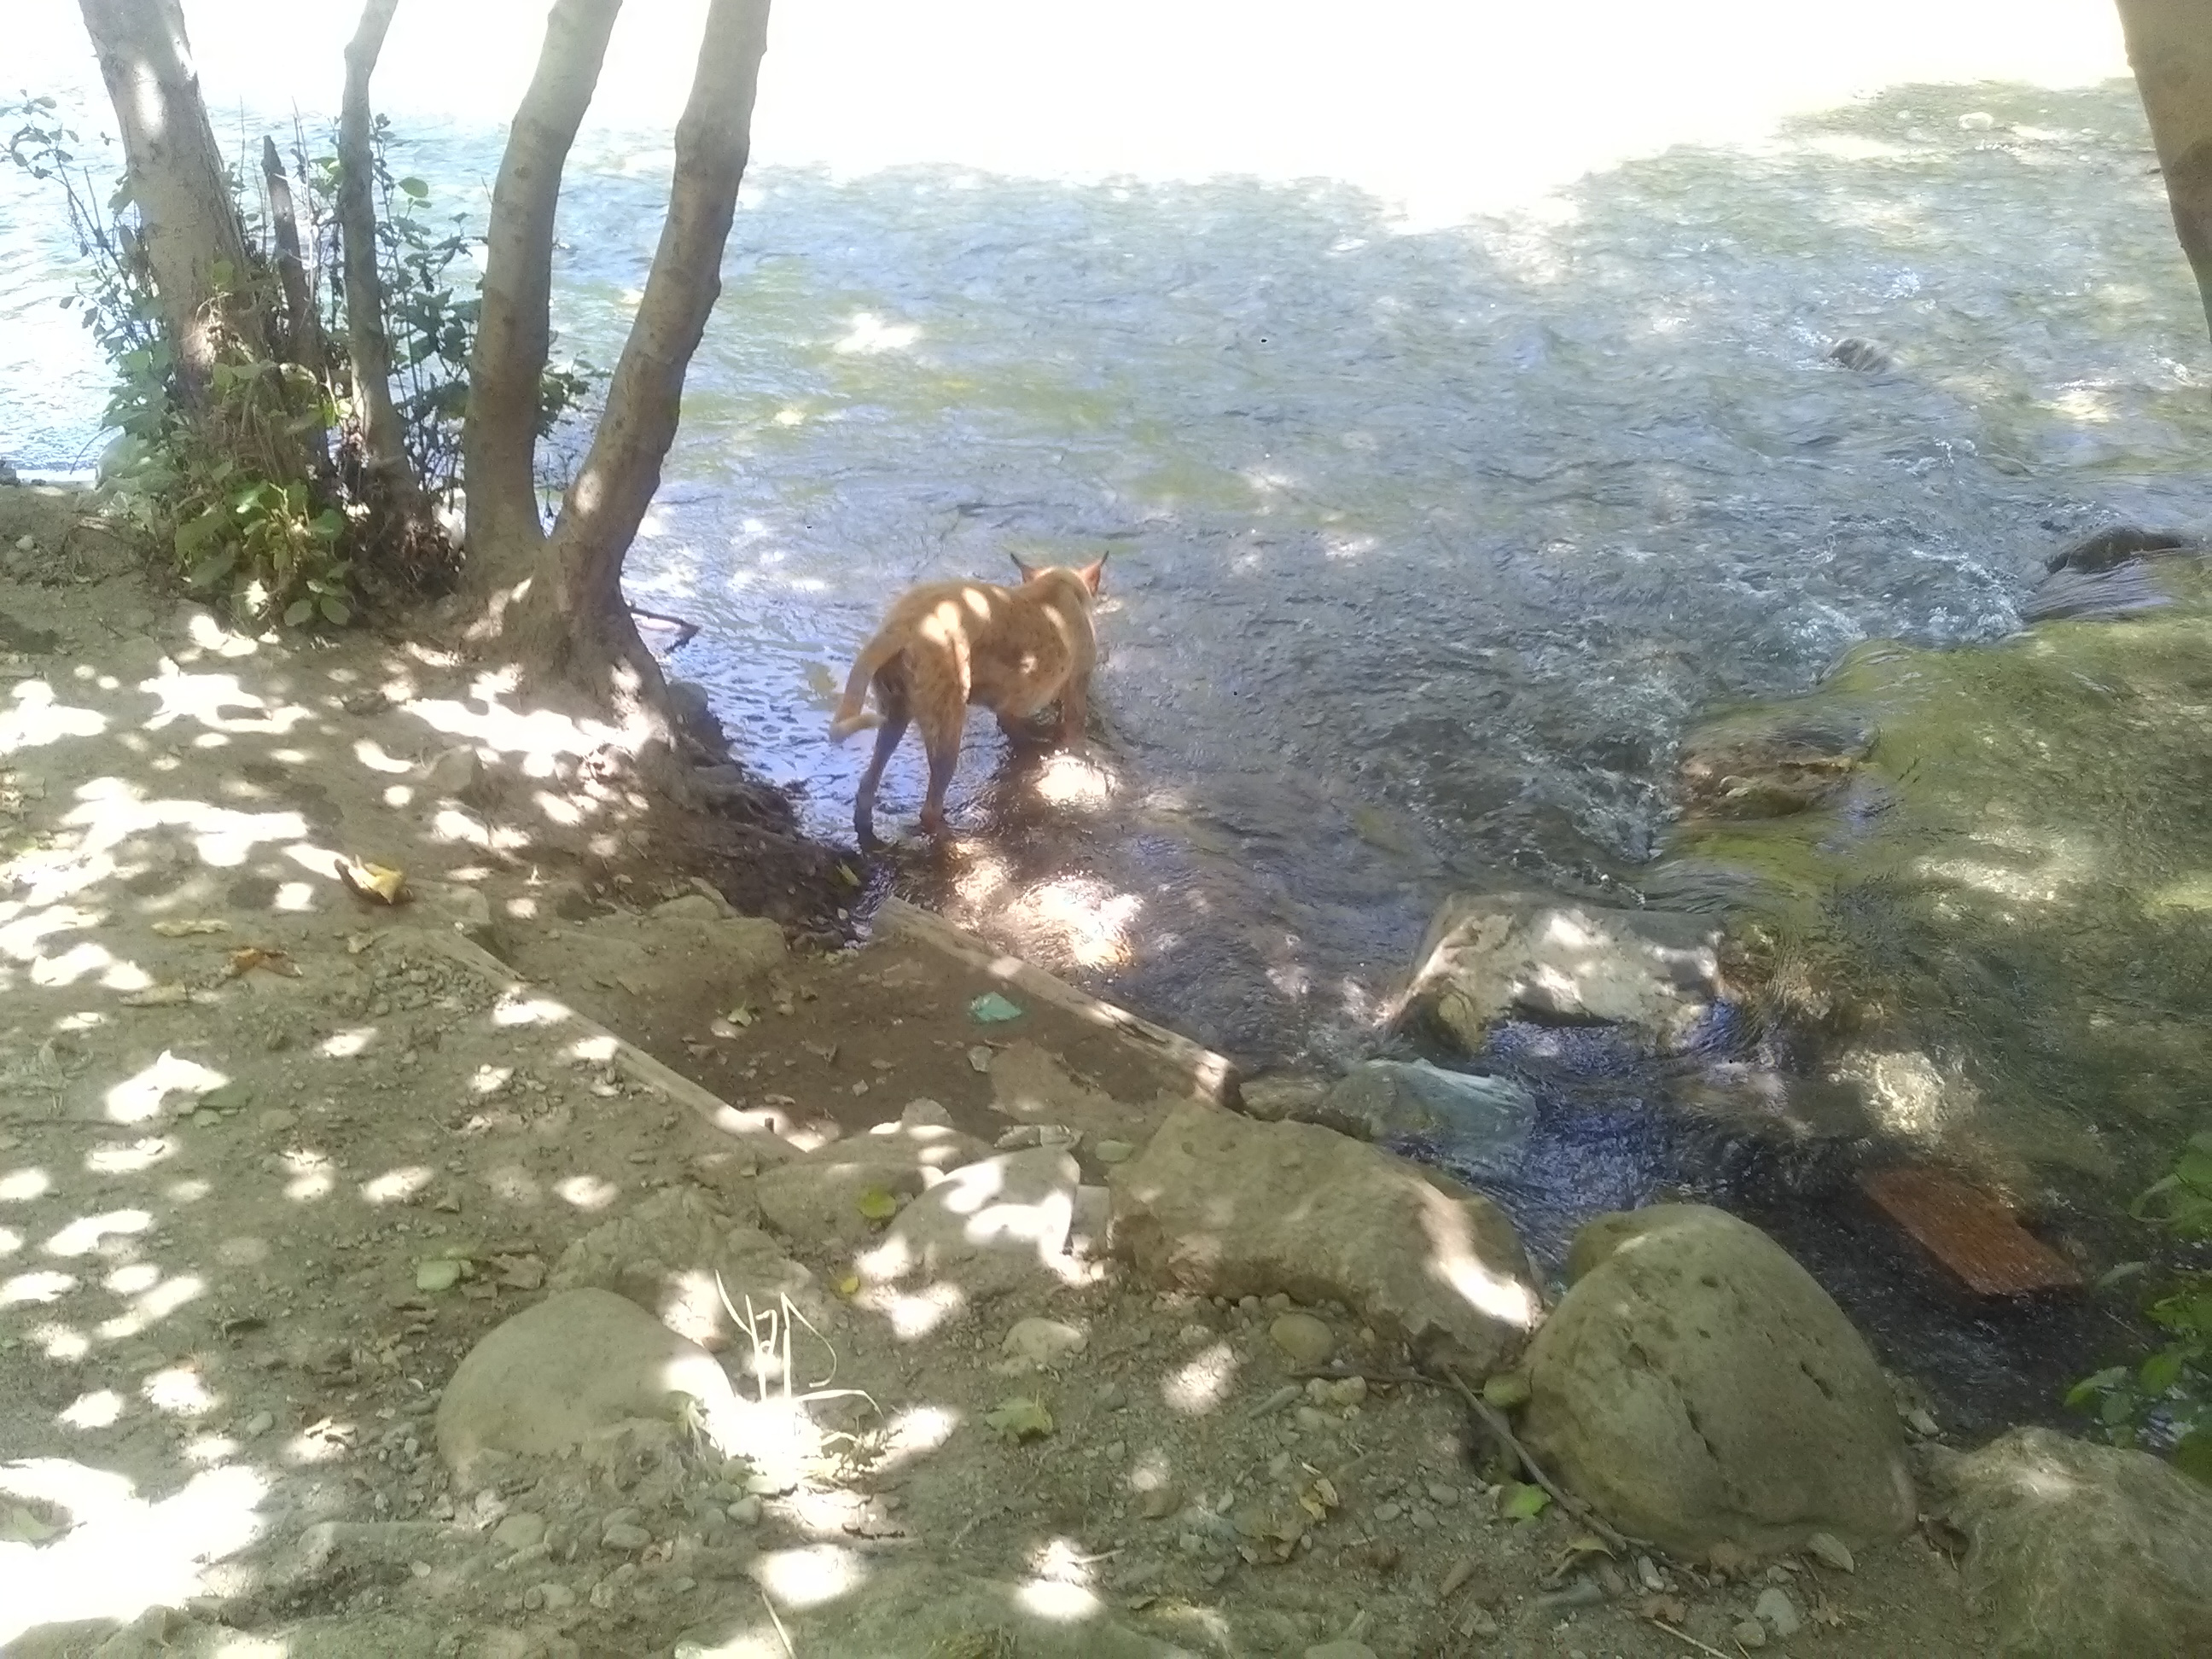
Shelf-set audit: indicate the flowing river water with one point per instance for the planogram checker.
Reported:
(1429, 537)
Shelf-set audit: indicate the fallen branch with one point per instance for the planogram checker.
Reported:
(1493, 1420)
(685, 631)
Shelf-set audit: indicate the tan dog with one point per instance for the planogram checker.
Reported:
(947, 645)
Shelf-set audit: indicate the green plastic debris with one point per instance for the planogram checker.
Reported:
(991, 1008)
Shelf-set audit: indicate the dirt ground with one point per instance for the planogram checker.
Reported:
(274, 1156)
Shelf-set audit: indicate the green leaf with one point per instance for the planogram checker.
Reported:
(335, 611)
(2193, 1456)
(1020, 1419)
(1520, 1502)
(298, 612)
(213, 569)
(877, 1204)
(2089, 1388)
(415, 188)
(2162, 1370)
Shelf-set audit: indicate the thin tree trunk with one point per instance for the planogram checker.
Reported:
(569, 617)
(507, 368)
(368, 342)
(303, 333)
(192, 239)
(2170, 46)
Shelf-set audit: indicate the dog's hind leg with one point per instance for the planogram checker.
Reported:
(943, 748)
(890, 697)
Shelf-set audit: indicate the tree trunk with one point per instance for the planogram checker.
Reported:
(560, 607)
(303, 332)
(499, 444)
(390, 476)
(2170, 46)
(193, 244)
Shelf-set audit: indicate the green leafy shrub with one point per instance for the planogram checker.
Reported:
(2167, 1396)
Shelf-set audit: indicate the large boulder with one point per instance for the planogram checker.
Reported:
(825, 1197)
(1700, 1389)
(1488, 957)
(2078, 1551)
(679, 1254)
(578, 1363)
(1219, 1204)
(998, 1225)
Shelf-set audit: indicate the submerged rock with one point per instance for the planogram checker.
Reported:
(1863, 356)
(1489, 957)
(1229, 1207)
(1701, 1390)
(2084, 1552)
(1487, 1119)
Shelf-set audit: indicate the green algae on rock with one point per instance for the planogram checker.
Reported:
(1985, 873)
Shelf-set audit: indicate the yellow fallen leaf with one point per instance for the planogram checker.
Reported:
(373, 880)
(849, 1286)
(184, 929)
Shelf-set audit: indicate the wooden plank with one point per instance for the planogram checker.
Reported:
(641, 1067)
(1187, 1068)
(1972, 1233)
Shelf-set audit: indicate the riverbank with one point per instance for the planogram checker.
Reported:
(999, 1335)
(277, 1158)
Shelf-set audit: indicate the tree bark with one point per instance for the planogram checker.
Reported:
(368, 342)
(2170, 47)
(191, 235)
(499, 444)
(303, 332)
(560, 607)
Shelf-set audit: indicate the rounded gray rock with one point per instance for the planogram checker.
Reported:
(577, 1362)
(2084, 1552)
(1306, 1340)
(1699, 1388)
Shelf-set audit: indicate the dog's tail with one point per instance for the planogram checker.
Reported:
(853, 712)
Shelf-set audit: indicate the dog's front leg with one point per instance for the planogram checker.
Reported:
(1074, 712)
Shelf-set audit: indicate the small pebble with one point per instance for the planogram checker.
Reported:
(1339, 1651)
(1831, 1551)
(1750, 1632)
(1386, 1513)
(1444, 1496)
(518, 1531)
(624, 1536)
(1111, 1398)
(1312, 1419)
(1305, 1339)
(1778, 1612)
(1113, 1152)
(746, 1511)
(259, 1425)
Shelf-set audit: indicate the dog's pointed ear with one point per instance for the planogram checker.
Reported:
(1029, 572)
(1094, 573)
